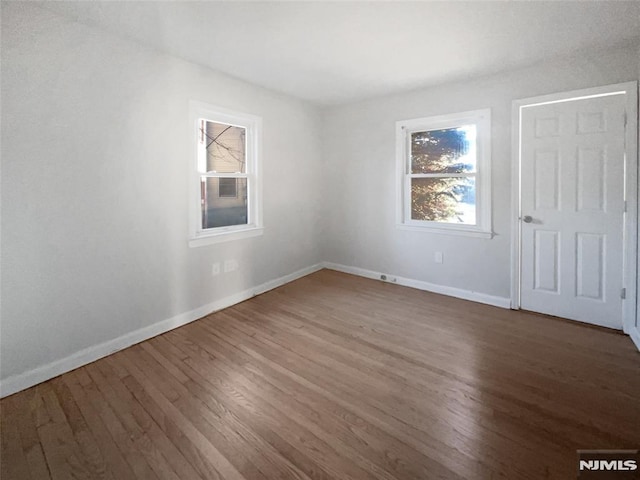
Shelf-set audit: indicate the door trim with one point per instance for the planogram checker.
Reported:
(630, 237)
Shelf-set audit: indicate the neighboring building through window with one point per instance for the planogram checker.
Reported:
(226, 172)
(222, 158)
(444, 173)
(228, 188)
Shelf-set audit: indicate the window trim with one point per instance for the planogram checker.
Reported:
(482, 119)
(253, 127)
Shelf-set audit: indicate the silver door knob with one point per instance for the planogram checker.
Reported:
(527, 219)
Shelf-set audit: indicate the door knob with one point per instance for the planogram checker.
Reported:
(527, 219)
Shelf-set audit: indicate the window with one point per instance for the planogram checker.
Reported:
(225, 175)
(228, 187)
(444, 173)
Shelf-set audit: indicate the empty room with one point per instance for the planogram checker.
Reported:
(319, 240)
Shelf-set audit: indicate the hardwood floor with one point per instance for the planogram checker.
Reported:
(335, 376)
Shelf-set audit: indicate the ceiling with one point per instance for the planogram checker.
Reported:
(336, 52)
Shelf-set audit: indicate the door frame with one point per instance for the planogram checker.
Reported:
(630, 236)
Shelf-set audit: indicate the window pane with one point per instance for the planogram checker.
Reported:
(224, 147)
(448, 199)
(219, 210)
(452, 150)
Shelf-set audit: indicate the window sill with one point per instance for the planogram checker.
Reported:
(464, 232)
(228, 236)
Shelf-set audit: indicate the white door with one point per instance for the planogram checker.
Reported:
(572, 209)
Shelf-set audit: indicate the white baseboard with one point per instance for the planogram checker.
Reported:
(634, 333)
(40, 374)
(503, 302)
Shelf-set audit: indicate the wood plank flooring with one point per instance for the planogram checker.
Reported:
(335, 376)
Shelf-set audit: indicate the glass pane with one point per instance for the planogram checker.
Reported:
(219, 207)
(452, 150)
(222, 147)
(448, 199)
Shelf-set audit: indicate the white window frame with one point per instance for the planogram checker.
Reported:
(404, 128)
(252, 124)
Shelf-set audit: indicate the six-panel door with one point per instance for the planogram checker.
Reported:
(572, 187)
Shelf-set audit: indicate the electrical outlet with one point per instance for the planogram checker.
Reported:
(230, 265)
(215, 269)
(438, 257)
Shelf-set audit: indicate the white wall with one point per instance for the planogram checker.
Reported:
(636, 334)
(95, 146)
(359, 143)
